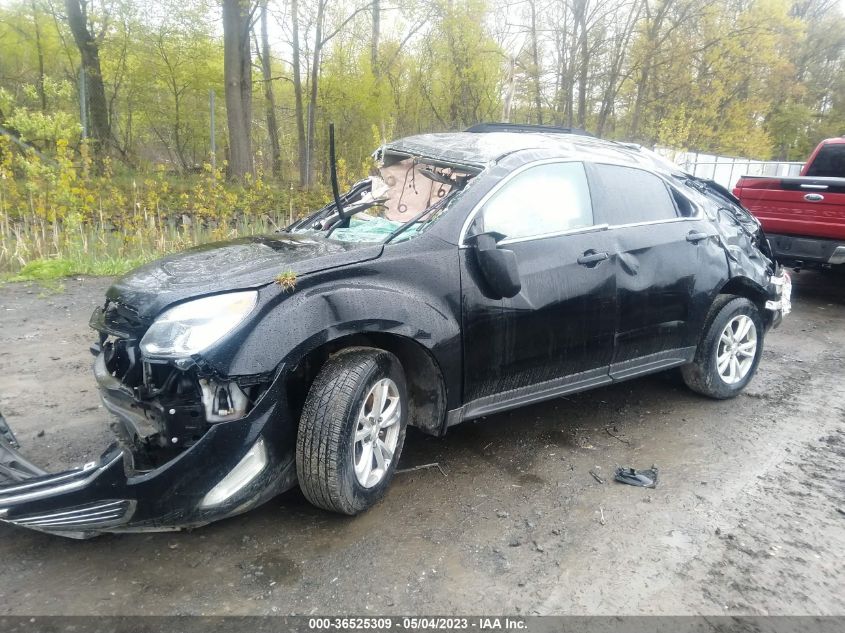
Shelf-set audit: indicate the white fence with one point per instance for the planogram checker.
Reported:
(726, 170)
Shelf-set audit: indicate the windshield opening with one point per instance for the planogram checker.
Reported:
(406, 193)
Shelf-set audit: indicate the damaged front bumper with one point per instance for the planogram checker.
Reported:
(232, 468)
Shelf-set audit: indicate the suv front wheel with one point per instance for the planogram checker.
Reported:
(729, 352)
(351, 430)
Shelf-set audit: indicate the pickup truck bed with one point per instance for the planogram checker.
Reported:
(803, 217)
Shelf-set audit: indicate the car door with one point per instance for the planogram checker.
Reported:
(557, 331)
(655, 259)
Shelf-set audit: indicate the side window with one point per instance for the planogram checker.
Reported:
(628, 195)
(684, 205)
(543, 199)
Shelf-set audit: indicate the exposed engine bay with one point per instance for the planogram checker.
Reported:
(162, 408)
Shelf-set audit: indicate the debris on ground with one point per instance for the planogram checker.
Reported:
(610, 432)
(596, 477)
(646, 478)
(423, 467)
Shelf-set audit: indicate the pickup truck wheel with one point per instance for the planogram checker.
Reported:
(728, 354)
(351, 430)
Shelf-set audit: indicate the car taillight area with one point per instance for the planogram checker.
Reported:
(161, 408)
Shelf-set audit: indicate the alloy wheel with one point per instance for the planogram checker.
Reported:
(737, 349)
(377, 432)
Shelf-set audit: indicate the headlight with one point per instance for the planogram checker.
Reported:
(194, 326)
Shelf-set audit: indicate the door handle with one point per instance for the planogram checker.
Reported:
(591, 258)
(696, 236)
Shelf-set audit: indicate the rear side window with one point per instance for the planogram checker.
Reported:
(544, 199)
(682, 203)
(627, 195)
(829, 162)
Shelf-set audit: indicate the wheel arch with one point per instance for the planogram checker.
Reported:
(426, 385)
(746, 287)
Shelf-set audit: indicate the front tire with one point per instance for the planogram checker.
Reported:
(729, 352)
(352, 430)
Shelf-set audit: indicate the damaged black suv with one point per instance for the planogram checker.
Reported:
(473, 272)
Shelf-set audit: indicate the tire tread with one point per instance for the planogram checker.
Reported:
(319, 439)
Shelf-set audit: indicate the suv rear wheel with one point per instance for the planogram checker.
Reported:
(352, 430)
(728, 354)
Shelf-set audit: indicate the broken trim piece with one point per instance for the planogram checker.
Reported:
(13, 466)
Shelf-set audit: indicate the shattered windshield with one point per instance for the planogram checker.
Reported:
(402, 198)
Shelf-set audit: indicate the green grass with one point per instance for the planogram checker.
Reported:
(58, 268)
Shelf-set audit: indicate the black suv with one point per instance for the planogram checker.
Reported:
(472, 273)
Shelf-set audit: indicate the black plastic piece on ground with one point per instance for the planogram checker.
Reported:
(646, 478)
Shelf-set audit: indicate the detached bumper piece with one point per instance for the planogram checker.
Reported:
(97, 516)
(57, 503)
(234, 467)
(781, 283)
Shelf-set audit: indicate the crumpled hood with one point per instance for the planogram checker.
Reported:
(248, 262)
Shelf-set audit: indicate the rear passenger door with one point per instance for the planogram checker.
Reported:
(655, 261)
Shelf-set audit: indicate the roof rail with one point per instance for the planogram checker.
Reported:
(481, 128)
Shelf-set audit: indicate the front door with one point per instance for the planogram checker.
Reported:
(558, 330)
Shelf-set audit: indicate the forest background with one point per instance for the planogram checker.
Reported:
(129, 129)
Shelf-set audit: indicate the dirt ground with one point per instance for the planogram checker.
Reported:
(748, 516)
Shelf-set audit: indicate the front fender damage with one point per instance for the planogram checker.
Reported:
(235, 466)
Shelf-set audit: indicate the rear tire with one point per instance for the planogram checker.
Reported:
(729, 352)
(352, 430)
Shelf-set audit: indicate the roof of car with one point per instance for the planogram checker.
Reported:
(481, 149)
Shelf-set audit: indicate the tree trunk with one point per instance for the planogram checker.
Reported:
(639, 103)
(376, 37)
(644, 84)
(315, 78)
(620, 48)
(297, 91)
(269, 98)
(39, 86)
(585, 65)
(561, 45)
(538, 96)
(98, 110)
(510, 83)
(237, 72)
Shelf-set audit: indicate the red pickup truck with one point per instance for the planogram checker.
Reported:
(804, 216)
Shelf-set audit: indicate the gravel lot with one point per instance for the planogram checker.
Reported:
(748, 516)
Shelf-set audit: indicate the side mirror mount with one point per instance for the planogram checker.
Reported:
(498, 265)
